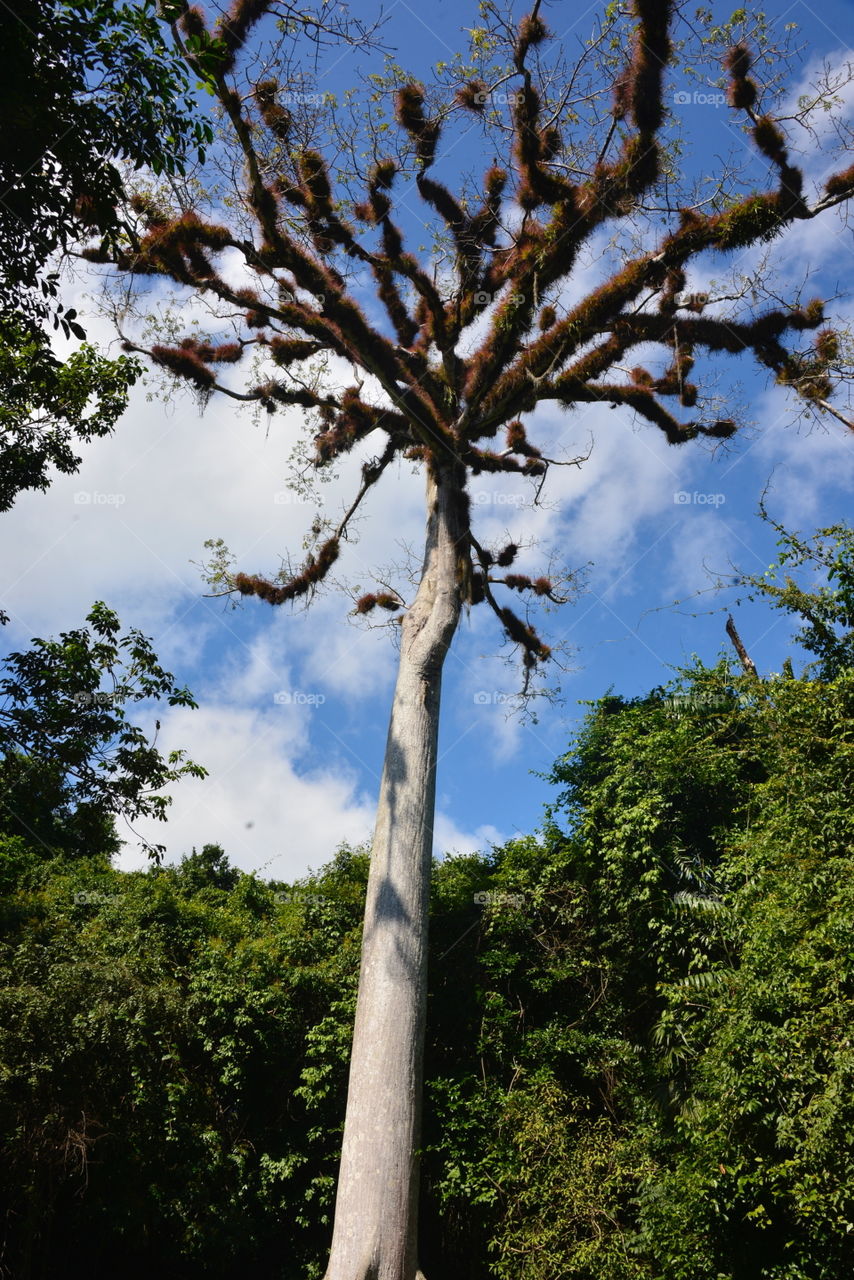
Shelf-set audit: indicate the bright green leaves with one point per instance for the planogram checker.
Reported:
(210, 55)
(821, 595)
(71, 756)
(47, 407)
(174, 1022)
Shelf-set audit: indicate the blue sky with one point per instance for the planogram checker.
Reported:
(293, 710)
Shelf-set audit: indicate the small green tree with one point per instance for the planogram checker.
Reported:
(88, 85)
(47, 406)
(70, 756)
(826, 605)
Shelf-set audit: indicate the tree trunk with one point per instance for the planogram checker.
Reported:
(374, 1236)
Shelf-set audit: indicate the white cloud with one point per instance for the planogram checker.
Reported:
(449, 838)
(804, 463)
(271, 816)
(268, 815)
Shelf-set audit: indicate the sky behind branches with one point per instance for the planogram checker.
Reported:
(294, 705)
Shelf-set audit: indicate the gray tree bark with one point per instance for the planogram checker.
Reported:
(375, 1231)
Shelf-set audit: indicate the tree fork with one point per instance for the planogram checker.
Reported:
(376, 1211)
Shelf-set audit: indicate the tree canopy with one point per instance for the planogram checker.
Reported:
(454, 347)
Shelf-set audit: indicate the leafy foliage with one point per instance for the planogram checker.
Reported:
(69, 754)
(88, 86)
(639, 1061)
(759, 1178)
(46, 406)
(826, 604)
(170, 1076)
(86, 83)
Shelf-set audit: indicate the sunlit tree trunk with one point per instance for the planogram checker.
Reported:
(374, 1236)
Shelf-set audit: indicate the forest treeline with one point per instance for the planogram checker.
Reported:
(639, 1058)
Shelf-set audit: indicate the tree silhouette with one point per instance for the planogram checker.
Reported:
(475, 336)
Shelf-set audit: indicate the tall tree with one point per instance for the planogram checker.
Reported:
(476, 334)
